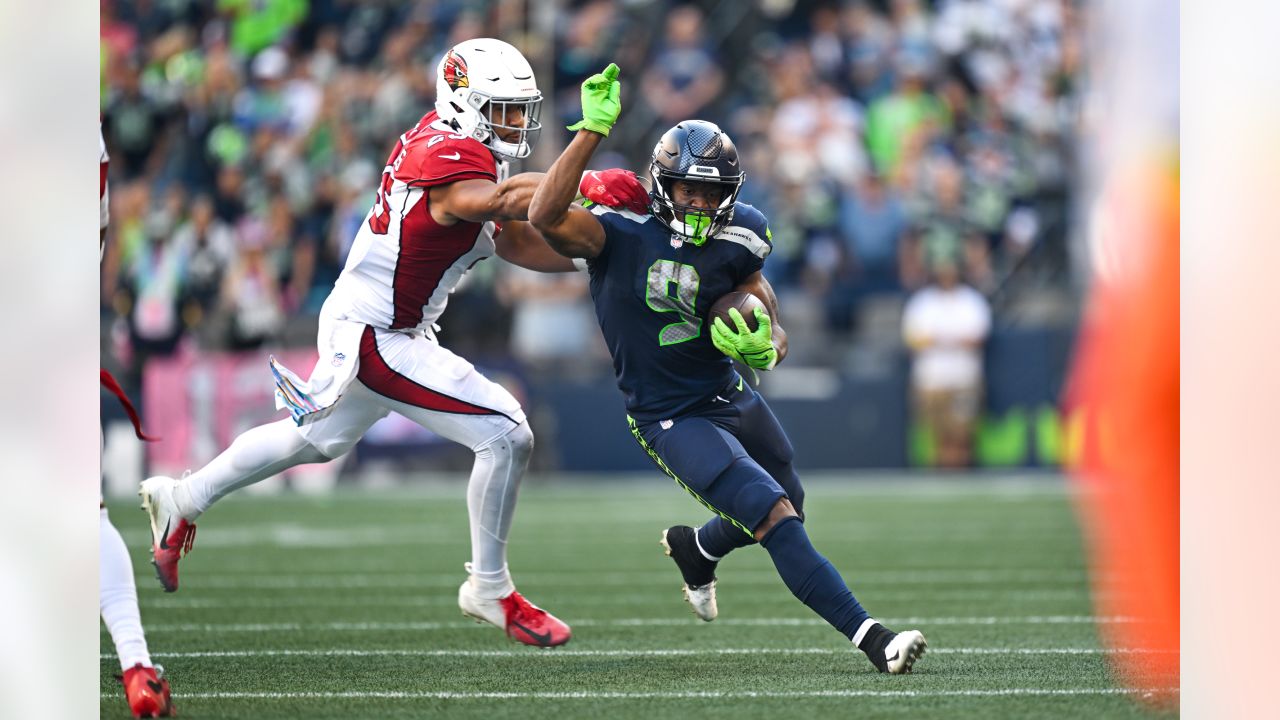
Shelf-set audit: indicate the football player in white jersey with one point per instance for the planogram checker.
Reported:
(444, 203)
(145, 690)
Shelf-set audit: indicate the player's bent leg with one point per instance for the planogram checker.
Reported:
(173, 505)
(445, 394)
(118, 596)
(816, 583)
(491, 501)
(488, 594)
(699, 455)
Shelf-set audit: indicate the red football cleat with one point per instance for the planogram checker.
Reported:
(171, 534)
(532, 625)
(147, 693)
(520, 619)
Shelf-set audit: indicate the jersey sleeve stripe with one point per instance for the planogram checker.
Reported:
(747, 239)
(634, 217)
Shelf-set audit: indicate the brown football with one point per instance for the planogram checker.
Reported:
(746, 304)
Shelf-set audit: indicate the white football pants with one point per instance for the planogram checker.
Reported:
(416, 377)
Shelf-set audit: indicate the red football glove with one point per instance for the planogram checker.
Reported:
(615, 188)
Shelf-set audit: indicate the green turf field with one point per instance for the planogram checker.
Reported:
(344, 606)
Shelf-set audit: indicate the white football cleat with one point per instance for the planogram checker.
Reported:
(703, 601)
(171, 534)
(903, 651)
(679, 544)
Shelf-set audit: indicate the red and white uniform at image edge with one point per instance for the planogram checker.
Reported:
(103, 162)
(403, 265)
(145, 691)
(106, 379)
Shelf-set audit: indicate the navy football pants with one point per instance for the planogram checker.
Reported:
(731, 454)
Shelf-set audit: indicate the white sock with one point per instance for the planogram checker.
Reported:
(118, 597)
(862, 631)
(256, 455)
(698, 542)
(491, 503)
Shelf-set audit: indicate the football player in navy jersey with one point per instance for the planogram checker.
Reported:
(654, 277)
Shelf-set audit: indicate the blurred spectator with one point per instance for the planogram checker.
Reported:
(946, 325)
(821, 129)
(587, 41)
(256, 24)
(869, 43)
(684, 75)
(551, 325)
(261, 106)
(944, 228)
(908, 117)
(873, 219)
(209, 246)
(826, 47)
(154, 274)
(251, 291)
(132, 125)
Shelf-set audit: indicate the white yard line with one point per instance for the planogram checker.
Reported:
(631, 622)
(709, 694)
(567, 653)
(408, 579)
(425, 535)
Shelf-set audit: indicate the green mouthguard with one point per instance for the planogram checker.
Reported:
(699, 224)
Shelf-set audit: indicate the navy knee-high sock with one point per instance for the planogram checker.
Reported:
(718, 537)
(811, 577)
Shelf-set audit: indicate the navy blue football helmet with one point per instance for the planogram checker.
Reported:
(700, 152)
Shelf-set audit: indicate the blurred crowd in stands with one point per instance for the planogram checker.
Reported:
(881, 138)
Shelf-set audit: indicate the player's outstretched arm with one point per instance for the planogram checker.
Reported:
(482, 200)
(570, 230)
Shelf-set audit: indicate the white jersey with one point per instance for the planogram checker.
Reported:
(403, 264)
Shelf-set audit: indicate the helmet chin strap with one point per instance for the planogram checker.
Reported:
(506, 149)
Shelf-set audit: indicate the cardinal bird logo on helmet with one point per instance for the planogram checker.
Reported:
(455, 71)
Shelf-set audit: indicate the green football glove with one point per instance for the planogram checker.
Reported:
(601, 101)
(753, 349)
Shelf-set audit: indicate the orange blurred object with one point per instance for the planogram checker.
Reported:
(1125, 388)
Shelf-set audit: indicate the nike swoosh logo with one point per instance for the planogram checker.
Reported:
(739, 383)
(542, 638)
(164, 537)
(895, 657)
(721, 399)
(454, 156)
(155, 686)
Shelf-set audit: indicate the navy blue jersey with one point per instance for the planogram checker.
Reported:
(652, 294)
